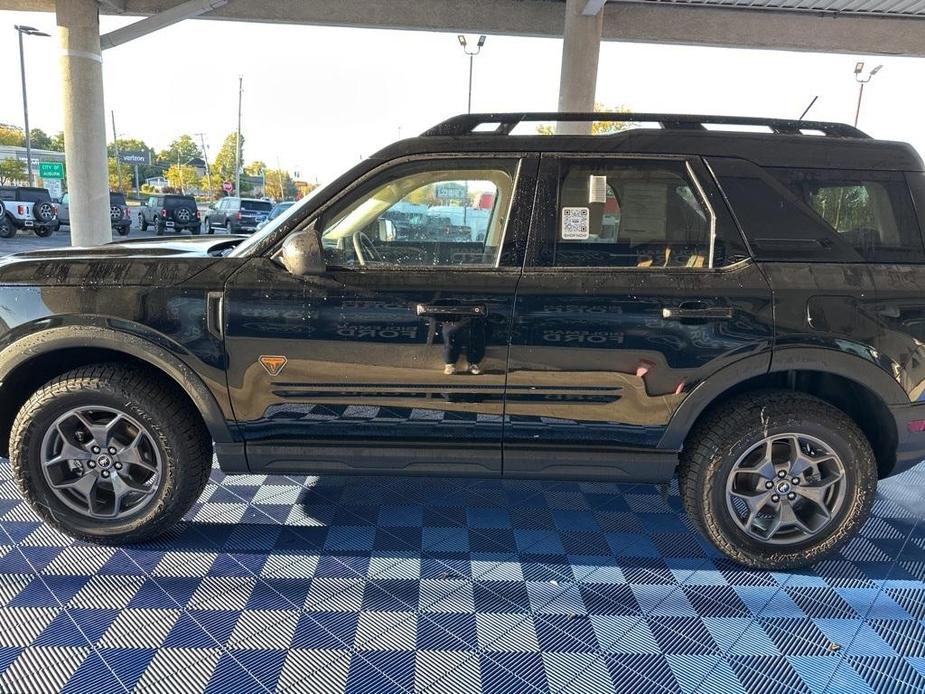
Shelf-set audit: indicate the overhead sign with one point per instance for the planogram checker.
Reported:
(227, 186)
(136, 157)
(51, 169)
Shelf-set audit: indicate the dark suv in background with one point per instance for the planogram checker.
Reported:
(120, 216)
(234, 215)
(170, 213)
(742, 310)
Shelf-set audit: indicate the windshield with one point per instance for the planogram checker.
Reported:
(116, 199)
(255, 205)
(244, 247)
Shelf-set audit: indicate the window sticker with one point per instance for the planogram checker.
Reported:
(576, 223)
(597, 189)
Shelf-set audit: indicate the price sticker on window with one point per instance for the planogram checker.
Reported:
(576, 223)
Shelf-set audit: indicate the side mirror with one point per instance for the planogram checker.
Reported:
(302, 253)
(386, 230)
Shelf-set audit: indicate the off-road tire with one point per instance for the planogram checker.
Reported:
(143, 223)
(727, 432)
(177, 429)
(7, 230)
(44, 232)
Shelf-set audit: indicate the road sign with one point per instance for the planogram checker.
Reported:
(227, 186)
(51, 169)
(54, 187)
(136, 157)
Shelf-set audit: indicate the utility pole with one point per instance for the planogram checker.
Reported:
(205, 156)
(279, 175)
(237, 143)
(29, 31)
(115, 142)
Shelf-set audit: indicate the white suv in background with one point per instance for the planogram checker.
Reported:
(27, 208)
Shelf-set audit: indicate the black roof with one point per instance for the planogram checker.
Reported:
(785, 144)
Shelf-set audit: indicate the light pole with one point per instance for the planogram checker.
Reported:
(861, 80)
(28, 31)
(471, 54)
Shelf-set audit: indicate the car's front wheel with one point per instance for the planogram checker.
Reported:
(110, 454)
(777, 479)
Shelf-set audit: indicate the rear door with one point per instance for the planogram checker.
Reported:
(637, 287)
(347, 371)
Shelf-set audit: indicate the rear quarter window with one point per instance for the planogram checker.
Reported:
(871, 210)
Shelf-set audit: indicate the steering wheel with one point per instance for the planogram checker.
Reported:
(365, 250)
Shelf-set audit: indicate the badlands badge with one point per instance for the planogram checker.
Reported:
(273, 363)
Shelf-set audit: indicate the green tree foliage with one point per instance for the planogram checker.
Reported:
(127, 173)
(182, 149)
(223, 166)
(279, 185)
(183, 177)
(597, 127)
(40, 139)
(12, 170)
(12, 135)
(255, 168)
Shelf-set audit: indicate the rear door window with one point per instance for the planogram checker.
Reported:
(174, 202)
(33, 195)
(871, 211)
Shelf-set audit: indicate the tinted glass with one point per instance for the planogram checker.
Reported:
(630, 214)
(871, 211)
(179, 201)
(425, 214)
(116, 199)
(256, 206)
(33, 195)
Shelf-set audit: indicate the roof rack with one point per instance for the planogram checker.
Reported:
(470, 124)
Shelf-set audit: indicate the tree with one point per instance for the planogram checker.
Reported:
(182, 149)
(12, 170)
(128, 176)
(278, 184)
(183, 177)
(223, 166)
(57, 142)
(255, 168)
(39, 139)
(600, 127)
(12, 135)
(129, 144)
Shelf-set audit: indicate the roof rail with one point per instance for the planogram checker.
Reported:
(469, 124)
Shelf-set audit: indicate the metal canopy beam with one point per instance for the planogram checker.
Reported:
(592, 7)
(188, 10)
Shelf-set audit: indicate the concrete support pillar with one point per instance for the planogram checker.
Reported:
(581, 49)
(84, 122)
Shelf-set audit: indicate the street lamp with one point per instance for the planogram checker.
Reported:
(471, 54)
(28, 31)
(861, 80)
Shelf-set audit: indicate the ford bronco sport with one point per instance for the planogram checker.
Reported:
(170, 213)
(742, 310)
(27, 208)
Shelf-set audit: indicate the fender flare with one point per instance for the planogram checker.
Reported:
(36, 344)
(844, 364)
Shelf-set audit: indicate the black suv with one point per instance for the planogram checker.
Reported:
(170, 213)
(234, 215)
(743, 310)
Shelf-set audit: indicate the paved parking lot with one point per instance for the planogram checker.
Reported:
(353, 584)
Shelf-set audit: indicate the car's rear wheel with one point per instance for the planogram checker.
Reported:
(159, 229)
(44, 231)
(143, 223)
(110, 454)
(777, 479)
(122, 230)
(7, 230)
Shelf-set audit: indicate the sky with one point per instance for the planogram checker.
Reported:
(319, 99)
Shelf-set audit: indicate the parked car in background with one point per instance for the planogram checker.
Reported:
(277, 210)
(170, 213)
(234, 215)
(27, 208)
(119, 214)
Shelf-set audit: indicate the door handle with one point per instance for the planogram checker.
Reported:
(697, 311)
(443, 310)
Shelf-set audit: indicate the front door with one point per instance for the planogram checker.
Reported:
(395, 359)
(636, 288)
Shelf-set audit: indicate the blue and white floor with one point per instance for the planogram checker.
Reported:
(418, 585)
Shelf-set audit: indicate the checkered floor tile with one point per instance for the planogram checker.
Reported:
(416, 585)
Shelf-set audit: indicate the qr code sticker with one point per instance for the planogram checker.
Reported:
(576, 223)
